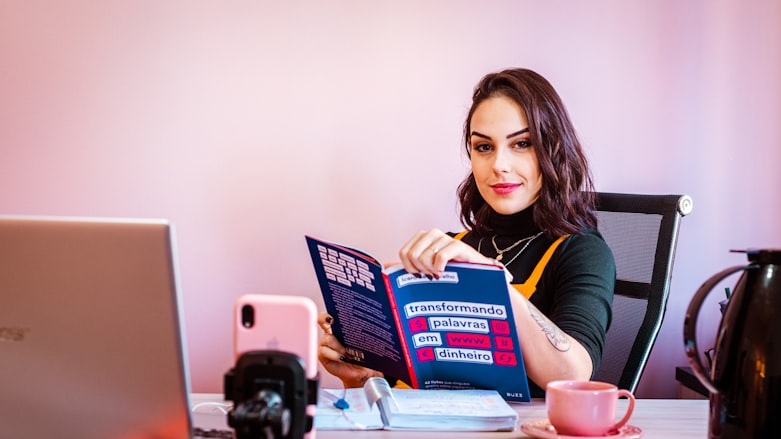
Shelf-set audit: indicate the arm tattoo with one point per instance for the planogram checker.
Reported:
(556, 336)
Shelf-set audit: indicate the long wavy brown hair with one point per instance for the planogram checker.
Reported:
(566, 200)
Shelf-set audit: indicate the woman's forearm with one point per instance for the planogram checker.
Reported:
(549, 353)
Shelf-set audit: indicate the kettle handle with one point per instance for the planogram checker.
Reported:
(690, 325)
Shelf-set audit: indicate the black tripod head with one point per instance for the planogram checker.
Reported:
(270, 394)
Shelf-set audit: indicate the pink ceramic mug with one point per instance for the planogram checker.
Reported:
(585, 408)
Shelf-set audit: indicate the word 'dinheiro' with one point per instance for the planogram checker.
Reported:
(467, 355)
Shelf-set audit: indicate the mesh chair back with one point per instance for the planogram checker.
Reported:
(642, 232)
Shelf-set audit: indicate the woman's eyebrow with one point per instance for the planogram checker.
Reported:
(518, 133)
(475, 133)
(509, 136)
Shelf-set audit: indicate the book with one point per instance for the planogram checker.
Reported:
(377, 406)
(454, 332)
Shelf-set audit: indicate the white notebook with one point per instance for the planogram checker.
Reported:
(378, 406)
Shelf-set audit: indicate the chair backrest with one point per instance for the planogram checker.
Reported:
(642, 232)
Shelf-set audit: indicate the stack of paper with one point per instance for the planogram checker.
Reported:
(377, 406)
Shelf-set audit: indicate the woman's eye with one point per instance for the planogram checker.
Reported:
(482, 147)
(523, 144)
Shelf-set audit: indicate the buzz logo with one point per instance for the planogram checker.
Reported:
(273, 344)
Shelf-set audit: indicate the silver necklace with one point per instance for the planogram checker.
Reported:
(528, 240)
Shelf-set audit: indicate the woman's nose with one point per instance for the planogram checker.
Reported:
(501, 160)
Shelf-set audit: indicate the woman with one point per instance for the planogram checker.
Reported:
(529, 193)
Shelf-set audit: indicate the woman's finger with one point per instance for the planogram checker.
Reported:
(408, 252)
(324, 320)
(418, 253)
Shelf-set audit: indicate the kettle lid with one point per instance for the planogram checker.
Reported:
(762, 256)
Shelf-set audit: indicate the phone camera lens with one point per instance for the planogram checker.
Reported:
(247, 316)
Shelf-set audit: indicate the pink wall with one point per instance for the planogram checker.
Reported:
(249, 124)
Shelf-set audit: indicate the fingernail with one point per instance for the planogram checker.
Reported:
(342, 358)
(418, 275)
(329, 319)
(429, 277)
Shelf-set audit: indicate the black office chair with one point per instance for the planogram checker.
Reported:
(642, 232)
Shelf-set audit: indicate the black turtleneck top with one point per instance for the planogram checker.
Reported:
(576, 289)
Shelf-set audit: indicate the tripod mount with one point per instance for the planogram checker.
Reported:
(270, 393)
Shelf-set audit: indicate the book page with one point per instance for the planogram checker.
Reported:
(451, 410)
(469, 403)
(355, 294)
(414, 409)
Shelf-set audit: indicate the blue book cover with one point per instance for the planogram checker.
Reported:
(455, 332)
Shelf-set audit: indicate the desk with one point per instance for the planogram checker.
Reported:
(658, 418)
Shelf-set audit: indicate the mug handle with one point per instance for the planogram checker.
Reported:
(629, 409)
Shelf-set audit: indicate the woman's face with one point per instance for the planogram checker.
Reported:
(504, 163)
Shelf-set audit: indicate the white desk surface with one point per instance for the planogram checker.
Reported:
(658, 418)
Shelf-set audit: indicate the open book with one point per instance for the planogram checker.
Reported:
(455, 332)
(378, 406)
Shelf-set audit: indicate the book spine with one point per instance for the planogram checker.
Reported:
(402, 339)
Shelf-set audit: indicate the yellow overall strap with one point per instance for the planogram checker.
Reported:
(530, 286)
(461, 235)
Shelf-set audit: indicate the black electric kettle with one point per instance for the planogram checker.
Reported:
(745, 378)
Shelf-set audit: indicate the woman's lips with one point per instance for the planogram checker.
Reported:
(505, 188)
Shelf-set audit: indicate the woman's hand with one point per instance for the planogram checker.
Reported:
(428, 252)
(331, 355)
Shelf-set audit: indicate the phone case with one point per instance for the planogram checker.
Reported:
(279, 323)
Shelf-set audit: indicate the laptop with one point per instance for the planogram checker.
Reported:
(91, 337)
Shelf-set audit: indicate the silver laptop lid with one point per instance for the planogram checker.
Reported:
(91, 341)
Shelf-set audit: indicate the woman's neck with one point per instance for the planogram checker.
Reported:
(516, 224)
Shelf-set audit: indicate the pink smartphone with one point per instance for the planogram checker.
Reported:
(279, 323)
